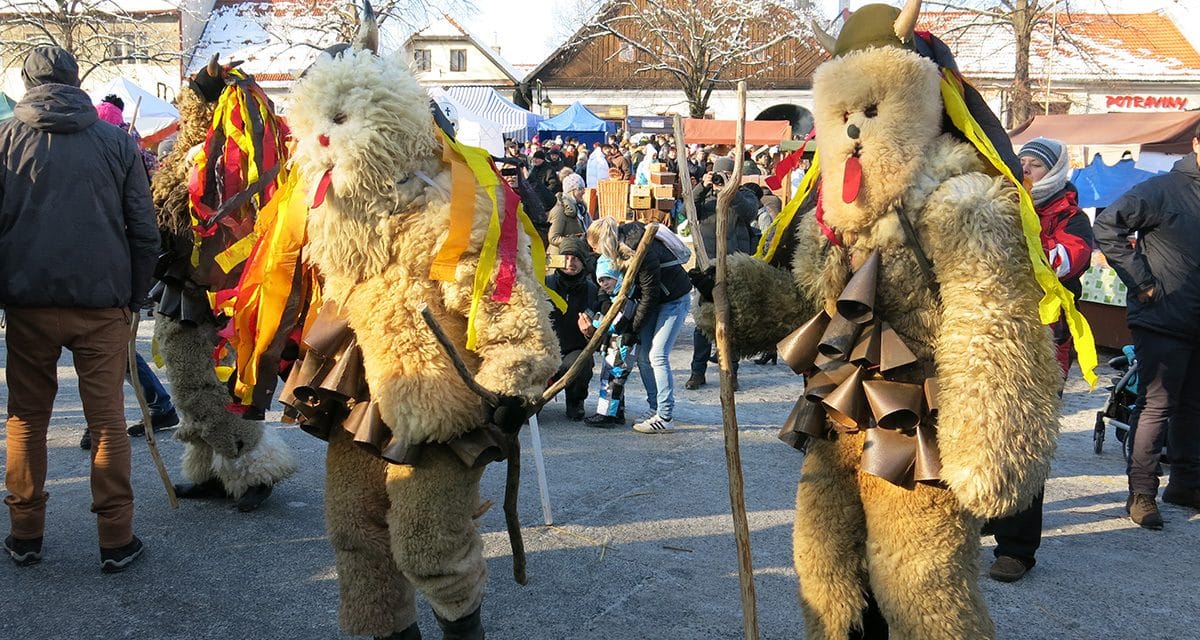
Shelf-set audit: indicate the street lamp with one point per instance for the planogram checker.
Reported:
(546, 104)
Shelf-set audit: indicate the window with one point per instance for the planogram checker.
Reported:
(458, 59)
(127, 48)
(422, 59)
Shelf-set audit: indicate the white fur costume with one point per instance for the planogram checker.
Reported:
(365, 122)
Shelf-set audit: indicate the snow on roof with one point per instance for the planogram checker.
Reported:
(447, 27)
(113, 6)
(1143, 47)
(276, 39)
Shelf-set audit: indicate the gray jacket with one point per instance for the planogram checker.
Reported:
(76, 221)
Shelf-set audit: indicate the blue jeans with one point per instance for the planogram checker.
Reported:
(657, 337)
(157, 397)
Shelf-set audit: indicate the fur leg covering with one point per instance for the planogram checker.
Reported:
(374, 597)
(764, 306)
(434, 538)
(269, 463)
(828, 541)
(922, 554)
(199, 397)
(197, 461)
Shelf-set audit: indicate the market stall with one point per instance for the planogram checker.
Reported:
(156, 118)
(576, 122)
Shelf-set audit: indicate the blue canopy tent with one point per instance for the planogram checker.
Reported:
(1099, 184)
(577, 122)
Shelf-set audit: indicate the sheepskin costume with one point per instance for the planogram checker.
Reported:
(363, 126)
(223, 452)
(913, 541)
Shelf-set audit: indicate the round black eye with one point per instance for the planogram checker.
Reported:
(340, 118)
(871, 111)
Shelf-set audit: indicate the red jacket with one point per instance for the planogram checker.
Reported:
(1065, 225)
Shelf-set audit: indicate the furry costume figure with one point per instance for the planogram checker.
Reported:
(971, 320)
(224, 454)
(382, 210)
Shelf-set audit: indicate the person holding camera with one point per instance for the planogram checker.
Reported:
(739, 239)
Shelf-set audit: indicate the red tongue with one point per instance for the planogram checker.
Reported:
(322, 188)
(851, 179)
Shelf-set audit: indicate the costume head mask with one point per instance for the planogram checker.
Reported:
(877, 108)
(361, 122)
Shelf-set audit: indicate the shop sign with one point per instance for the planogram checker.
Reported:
(1146, 102)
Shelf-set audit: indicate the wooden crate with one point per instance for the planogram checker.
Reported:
(640, 202)
(664, 204)
(653, 215)
(662, 178)
(640, 191)
(613, 198)
(662, 191)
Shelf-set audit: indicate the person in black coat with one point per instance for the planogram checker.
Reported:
(1162, 273)
(573, 281)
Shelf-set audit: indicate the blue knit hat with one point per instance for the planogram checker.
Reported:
(1044, 149)
(606, 269)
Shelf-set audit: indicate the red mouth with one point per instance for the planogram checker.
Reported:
(851, 179)
(322, 188)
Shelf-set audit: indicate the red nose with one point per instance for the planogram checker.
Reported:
(323, 139)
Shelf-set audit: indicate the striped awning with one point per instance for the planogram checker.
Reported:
(515, 122)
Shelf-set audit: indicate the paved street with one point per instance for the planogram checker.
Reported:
(641, 546)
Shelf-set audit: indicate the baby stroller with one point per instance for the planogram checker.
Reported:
(1122, 398)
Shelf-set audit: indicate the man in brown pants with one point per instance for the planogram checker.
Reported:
(77, 248)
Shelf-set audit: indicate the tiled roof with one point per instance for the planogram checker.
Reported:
(1114, 47)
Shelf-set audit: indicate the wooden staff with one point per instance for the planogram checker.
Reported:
(512, 480)
(733, 459)
(689, 205)
(136, 383)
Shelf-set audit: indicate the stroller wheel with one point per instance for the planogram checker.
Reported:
(1098, 434)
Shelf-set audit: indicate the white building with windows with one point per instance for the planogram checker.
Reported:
(445, 53)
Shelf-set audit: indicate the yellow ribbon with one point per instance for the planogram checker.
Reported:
(775, 230)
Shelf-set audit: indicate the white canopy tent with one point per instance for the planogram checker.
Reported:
(470, 127)
(515, 122)
(154, 115)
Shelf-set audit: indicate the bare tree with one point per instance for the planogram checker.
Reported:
(96, 32)
(698, 44)
(341, 16)
(1024, 18)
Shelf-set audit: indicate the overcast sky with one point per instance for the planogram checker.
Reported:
(528, 31)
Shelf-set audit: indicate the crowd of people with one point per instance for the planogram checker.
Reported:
(82, 298)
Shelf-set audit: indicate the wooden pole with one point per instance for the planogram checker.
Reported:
(689, 205)
(512, 480)
(733, 459)
(135, 382)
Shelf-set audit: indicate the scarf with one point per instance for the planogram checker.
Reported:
(1051, 183)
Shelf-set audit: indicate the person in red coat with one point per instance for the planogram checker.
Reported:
(1068, 242)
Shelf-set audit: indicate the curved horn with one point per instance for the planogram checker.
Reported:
(368, 29)
(907, 22)
(214, 67)
(827, 42)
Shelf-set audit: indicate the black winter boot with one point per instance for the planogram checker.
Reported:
(468, 627)
(254, 497)
(207, 490)
(413, 632)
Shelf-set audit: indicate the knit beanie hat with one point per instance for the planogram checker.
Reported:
(1044, 149)
(572, 246)
(606, 269)
(572, 182)
(109, 113)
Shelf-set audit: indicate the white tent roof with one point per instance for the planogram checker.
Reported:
(515, 122)
(470, 127)
(153, 115)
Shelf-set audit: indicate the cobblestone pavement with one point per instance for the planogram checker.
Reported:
(641, 546)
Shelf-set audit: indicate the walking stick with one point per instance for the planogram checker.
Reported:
(513, 476)
(733, 458)
(689, 205)
(135, 382)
